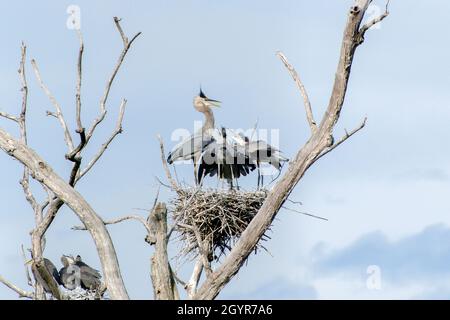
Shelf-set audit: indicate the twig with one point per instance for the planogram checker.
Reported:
(75, 154)
(342, 140)
(201, 248)
(156, 198)
(118, 130)
(126, 46)
(51, 114)
(79, 78)
(178, 279)
(8, 116)
(373, 22)
(118, 220)
(301, 87)
(305, 213)
(25, 264)
(59, 114)
(191, 286)
(295, 202)
(172, 228)
(22, 293)
(165, 166)
(126, 43)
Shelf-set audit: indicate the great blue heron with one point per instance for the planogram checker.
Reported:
(76, 273)
(192, 147)
(222, 152)
(68, 274)
(51, 270)
(90, 277)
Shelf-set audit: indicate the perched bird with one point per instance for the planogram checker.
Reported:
(76, 273)
(51, 270)
(90, 277)
(222, 152)
(192, 147)
(70, 277)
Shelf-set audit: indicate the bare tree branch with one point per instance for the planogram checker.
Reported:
(118, 130)
(25, 264)
(342, 140)
(59, 114)
(8, 116)
(22, 293)
(306, 156)
(201, 248)
(37, 246)
(126, 46)
(165, 166)
(303, 92)
(191, 286)
(79, 78)
(118, 220)
(374, 21)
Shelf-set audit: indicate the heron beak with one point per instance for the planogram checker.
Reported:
(214, 103)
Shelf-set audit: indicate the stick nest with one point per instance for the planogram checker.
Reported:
(213, 218)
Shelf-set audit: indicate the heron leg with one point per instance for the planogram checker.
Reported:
(195, 174)
(259, 179)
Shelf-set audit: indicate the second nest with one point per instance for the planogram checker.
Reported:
(213, 218)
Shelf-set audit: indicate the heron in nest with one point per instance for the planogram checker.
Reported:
(76, 273)
(222, 152)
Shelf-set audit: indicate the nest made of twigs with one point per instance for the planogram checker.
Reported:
(210, 221)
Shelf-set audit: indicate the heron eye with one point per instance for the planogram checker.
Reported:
(213, 154)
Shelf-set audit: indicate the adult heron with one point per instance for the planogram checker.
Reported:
(90, 277)
(222, 152)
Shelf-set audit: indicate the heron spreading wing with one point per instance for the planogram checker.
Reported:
(222, 152)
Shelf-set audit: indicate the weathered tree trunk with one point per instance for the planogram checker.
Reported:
(164, 286)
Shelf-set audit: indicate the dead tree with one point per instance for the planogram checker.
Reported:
(59, 190)
(164, 279)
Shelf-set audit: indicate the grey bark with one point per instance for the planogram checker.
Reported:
(43, 173)
(164, 286)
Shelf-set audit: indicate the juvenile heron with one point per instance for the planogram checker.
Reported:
(76, 273)
(90, 277)
(68, 274)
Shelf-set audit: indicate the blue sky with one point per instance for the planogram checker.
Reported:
(385, 192)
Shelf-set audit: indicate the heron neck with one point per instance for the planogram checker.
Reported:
(209, 120)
